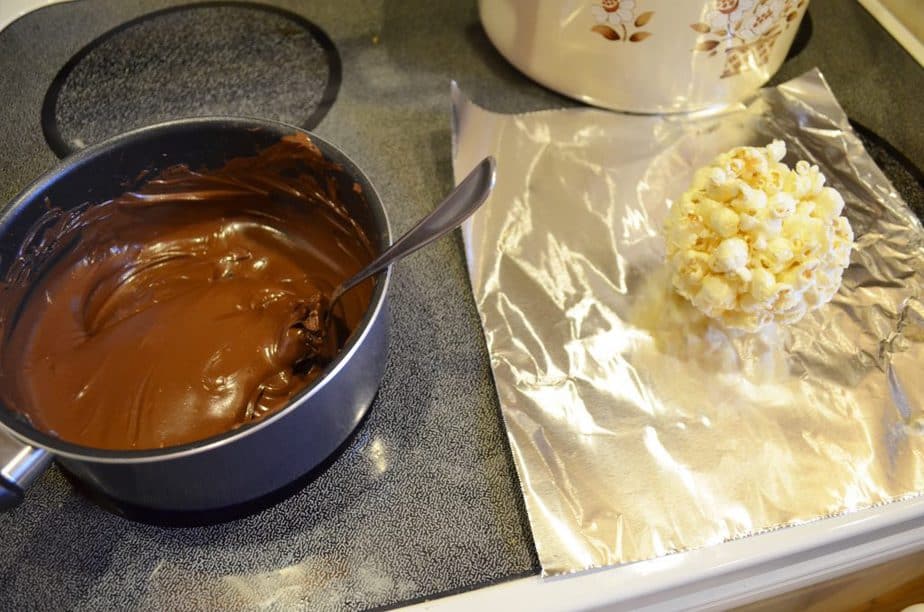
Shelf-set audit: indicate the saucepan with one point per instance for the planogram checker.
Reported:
(242, 464)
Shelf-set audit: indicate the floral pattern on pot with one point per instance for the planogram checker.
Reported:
(745, 30)
(617, 20)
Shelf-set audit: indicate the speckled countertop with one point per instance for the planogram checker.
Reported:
(424, 500)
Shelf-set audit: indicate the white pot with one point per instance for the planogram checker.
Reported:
(648, 56)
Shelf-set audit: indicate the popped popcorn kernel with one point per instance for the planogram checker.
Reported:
(753, 242)
(730, 256)
(715, 295)
(723, 222)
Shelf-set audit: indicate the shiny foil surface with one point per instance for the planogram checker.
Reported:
(638, 427)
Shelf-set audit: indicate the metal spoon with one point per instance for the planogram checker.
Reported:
(447, 216)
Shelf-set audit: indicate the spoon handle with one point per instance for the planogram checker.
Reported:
(451, 212)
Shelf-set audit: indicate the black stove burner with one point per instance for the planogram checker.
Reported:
(905, 176)
(220, 58)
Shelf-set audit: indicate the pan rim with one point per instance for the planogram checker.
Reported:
(24, 432)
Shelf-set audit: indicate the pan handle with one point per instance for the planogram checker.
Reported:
(20, 465)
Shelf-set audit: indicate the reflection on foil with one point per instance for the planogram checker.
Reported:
(638, 427)
(675, 330)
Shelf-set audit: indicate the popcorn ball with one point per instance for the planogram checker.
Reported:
(753, 242)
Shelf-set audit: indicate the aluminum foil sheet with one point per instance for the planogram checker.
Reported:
(639, 428)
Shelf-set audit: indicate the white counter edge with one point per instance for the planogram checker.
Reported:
(896, 28)
(718, 577)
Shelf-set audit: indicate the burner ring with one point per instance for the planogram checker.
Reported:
(213, 58)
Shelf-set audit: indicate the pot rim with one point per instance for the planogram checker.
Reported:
(22, 430)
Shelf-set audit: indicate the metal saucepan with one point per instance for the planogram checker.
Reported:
(242, 464)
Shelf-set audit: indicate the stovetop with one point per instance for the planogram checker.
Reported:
(424, 499)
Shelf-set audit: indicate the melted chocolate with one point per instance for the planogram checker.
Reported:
(187, 307)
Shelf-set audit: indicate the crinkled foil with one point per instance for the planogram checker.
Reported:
(638, 428)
